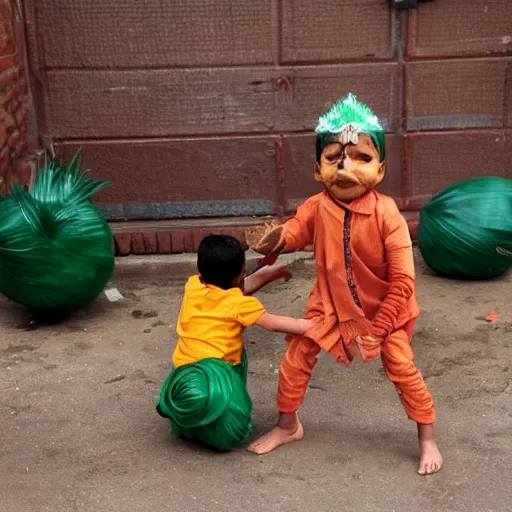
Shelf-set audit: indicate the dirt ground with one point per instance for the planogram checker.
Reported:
(79, 431)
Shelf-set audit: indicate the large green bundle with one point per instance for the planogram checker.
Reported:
(466, 230)
(55, 246)
(207, 402)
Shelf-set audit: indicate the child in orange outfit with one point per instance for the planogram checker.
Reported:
(364, 297)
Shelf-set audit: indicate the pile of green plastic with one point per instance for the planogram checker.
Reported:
(466, 230)
(56, 250)
(208, 402)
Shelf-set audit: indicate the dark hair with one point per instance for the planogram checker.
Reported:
(220, 260)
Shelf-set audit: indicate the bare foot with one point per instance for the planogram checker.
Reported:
(431, 460)
(276, 437)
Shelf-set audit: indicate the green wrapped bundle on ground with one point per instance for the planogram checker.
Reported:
(56, 250)
(466, 230)
(207, 402)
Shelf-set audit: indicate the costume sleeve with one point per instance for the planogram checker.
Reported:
(298, 232)
(249, 310)
(401, 273)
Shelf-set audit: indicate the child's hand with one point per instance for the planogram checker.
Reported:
(369, 346)
(306, 324)
(266, 240)
(271, 273)
(263, 276)
(367, 340)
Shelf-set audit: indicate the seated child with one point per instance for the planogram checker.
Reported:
(205, 396)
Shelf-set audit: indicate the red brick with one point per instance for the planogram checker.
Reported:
(4, 183)
(23, 129)
(138, 244)
(8, 61)
(12, 106)
(177, 242)
(3, 132)
(188, 241)
(9, 120)
(238, 233)
(4, 165)
(164, 242)
(19, 150)
(4, 153)
(26, 103)
(123, 244)
(13, 138)
(197, 236)
(20, 115)
(6, 42)
(14, 93)
(413, 225)
(8, 77)
(23, 171)
(142, 242)
(150, 243)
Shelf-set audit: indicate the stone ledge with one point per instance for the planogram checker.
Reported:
(180, 266)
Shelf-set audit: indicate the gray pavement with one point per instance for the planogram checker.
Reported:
(79, 432)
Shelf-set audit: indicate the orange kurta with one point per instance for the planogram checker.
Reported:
(365, 286)
(365, 270)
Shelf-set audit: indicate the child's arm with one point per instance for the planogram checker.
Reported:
(401, 275)
(263, 276)
(286, 324)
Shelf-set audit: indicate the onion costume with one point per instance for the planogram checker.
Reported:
(56, 250)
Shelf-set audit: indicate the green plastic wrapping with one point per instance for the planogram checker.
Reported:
(56, 250)
(207, 402)
(466, 230)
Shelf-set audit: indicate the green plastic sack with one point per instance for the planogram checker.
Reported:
(466, 230)
(207, 402)
(56, 249)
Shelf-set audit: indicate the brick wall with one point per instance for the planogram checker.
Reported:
(206, 110)
(14, 98)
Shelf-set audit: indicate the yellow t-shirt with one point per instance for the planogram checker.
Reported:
(212, 321)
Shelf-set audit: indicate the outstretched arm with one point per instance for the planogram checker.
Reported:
(294, 235)
(286, 324)
(263, 276)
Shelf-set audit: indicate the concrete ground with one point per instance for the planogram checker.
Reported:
(79, 431)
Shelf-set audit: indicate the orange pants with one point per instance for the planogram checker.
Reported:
(397, 358)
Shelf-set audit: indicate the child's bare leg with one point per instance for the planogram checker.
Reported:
(431, 460)
(288, 429)
(294, 375)
(397, 360)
